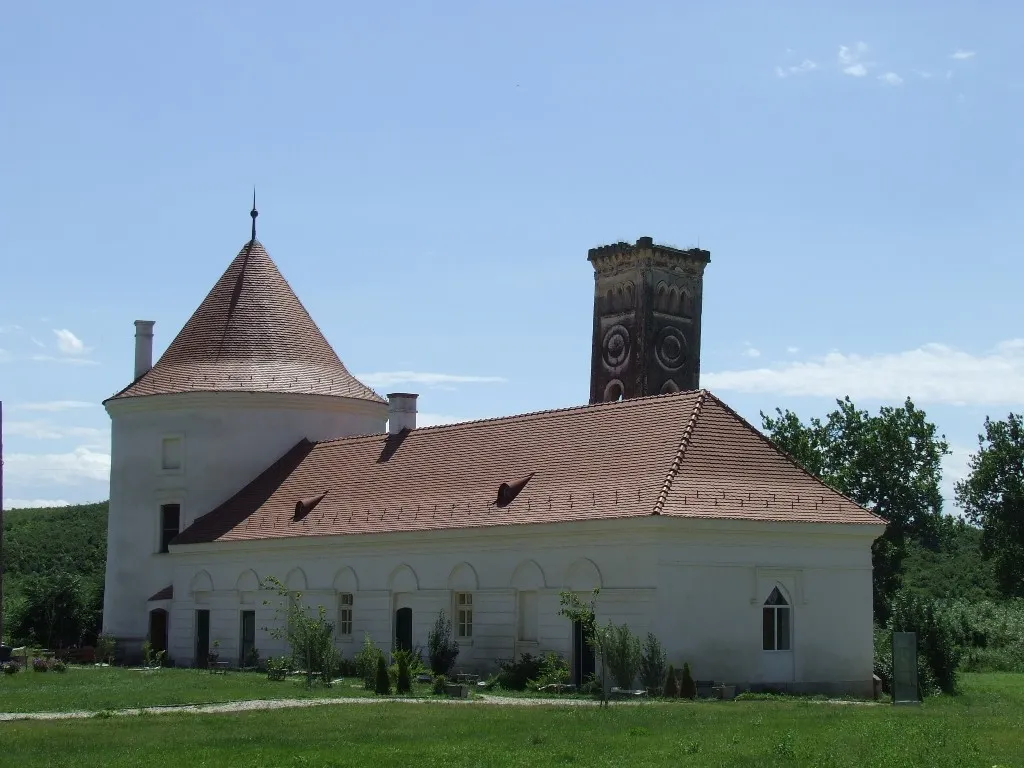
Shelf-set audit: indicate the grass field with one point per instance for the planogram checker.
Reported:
(981, 727)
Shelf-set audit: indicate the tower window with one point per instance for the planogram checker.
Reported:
(170, 453)
(170, 519)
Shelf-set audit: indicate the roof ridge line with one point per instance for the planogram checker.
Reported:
(631, 402)
(677, 462)
(788, 457)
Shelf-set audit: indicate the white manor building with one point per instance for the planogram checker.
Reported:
(249, 451)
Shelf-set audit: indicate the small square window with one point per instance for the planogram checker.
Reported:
(464, 613)
(170, 453)
(345, 614)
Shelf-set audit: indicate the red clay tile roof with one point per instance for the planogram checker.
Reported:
(680, 455)
(167, 593)
(250, 334)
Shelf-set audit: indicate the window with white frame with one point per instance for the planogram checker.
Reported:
(464, 613)
(776, 623)
(345, 614)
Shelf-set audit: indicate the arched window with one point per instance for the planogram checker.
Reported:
(776, 623)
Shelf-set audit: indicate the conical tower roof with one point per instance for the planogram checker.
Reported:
(250, 334)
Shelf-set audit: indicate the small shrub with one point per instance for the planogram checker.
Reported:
(671, 687)
(591, 686)
(41, 665)
(11, 668)
(277, 667)
(554, 670)
(687, 688)
(515, 675)
(652, 665)
(382, 681)
(366, 662)
(60, 666)
(404, 682)
(348, 667)
(252, 658)
(442, 650)
(622, 654)
(440, 681)
(106, 646)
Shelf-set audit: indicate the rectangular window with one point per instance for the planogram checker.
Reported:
(345, 614)
(170, 519)
(528, 616)
(170, 453)
(248, 643)
(775, 634)
(464, 613)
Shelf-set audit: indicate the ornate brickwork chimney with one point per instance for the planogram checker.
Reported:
(647, 308)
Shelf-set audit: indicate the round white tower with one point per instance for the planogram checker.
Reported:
(248, 376)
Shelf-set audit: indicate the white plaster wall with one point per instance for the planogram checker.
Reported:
(229, 438)
(698, 585)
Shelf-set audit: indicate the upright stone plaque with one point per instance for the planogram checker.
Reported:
(904, 668)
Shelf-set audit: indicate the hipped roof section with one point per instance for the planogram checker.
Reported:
(679, 455)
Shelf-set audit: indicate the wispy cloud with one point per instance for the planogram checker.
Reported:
(53, 406)
(42, 429)
(934, 373)
(68, 343)
(394, 378)
(84, 463)
(792, 350)
(12, 328)
(5, 356)
(851, 59)
(891, 78)
(750, 350)
(961, 54)
(796, 69)
(69, 360)
(34, 503)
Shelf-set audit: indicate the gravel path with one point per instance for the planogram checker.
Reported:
(258, 704)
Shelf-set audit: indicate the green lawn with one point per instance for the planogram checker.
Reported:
(97, 688)
(981, 727)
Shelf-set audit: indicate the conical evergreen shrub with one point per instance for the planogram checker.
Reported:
(687, 688)
(383, 683)
(671, 689)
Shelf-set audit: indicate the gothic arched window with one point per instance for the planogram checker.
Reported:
(776, 623)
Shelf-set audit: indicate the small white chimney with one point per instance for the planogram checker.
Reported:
(143, 346)
(401, 412)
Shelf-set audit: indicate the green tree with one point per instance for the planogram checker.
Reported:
(992, 495)
(308, 633)
(890, 463)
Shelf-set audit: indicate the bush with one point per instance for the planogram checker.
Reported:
(939, 638)
(671, 687)
(404, 684)
(106, 646)
(622, 654)
(277, 668)
(382, 681)
(11, 668)
(652, 665)
(687, 688)
(366, 662)
(515, 675)
(554, 670)
(442, 650)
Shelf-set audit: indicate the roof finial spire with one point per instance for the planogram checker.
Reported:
(254, 213)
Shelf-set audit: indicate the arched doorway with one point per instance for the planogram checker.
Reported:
(403, 629)
(158, 629)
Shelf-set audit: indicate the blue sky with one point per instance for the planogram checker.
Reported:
(431, 175)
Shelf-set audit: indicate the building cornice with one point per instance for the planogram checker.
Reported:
(180, 401)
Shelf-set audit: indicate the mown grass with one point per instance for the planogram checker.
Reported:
(981, 727)
(99, 688)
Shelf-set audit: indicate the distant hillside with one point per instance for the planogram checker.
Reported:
(54, 566)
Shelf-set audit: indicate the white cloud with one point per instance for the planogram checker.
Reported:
(10, 329)
(792, 350)
(923, 74)
(54, 405)
(954, 469)
(934, 373)
(46, 430)
(82, 464)
(961, 54)
(68, 343)
(394, 378)
(797, 69)
(34, 503)
(751, 352)
(71, 360)
(851, 59)
(891, 78)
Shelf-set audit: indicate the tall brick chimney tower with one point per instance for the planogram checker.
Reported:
(647, 306)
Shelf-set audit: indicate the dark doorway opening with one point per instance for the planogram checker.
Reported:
(403, 629)
(583, 665)
(158, 629)
(202, 639)
(248, 638)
